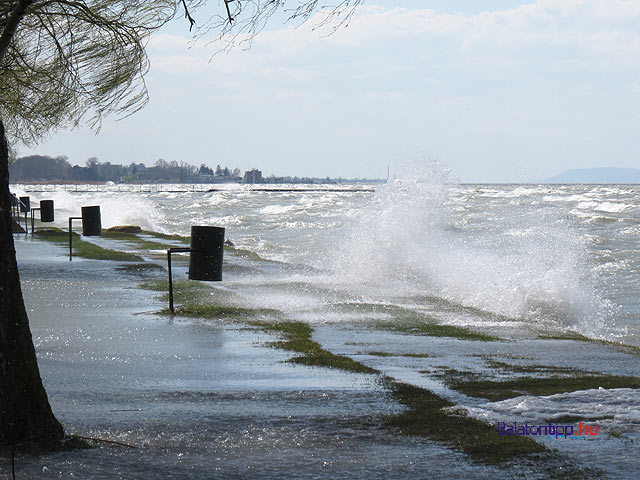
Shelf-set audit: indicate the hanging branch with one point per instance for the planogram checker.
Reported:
(188, 16)
(226, 4)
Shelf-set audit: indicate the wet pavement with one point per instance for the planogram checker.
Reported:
(203, 399)
(198, 399)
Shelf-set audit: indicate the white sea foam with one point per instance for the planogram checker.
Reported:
(502, 249)
(531, 265)
(609, 207)
(277, 209)
(115, 208)
(621, 403)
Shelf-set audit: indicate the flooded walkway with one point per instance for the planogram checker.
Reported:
(198, 399)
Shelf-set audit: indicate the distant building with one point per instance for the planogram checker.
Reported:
(252, 176)
(137, 167)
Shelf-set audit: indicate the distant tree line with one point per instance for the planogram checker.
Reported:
(42, 168)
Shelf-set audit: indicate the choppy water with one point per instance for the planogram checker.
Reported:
(207, 399)
(558, 256)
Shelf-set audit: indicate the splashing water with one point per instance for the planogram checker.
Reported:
(425, 237)
(121, 208)
(538, 254)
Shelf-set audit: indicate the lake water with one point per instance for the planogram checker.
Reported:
(542, 256)
(208, 398)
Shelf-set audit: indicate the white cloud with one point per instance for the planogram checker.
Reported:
(516, 86)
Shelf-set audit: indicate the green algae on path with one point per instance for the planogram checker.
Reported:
(191, 293)
(135, 241)
(511, 368)
(577, 337)
(298, 339)
(431, 416)
(139, 268)
(198, 301)
(166, 236)
(184, 291)
(576, 418)
(433, 330)
(424, 415)
(407, 355)
(496, 390)
(84, 249)
(410, 322)
(210, 311)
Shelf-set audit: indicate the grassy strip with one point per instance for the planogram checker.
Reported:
(426, 414)
(429, 415)
(85, 249)
(196, 299)
(184, 291)
(577, 337)
(566, 336)
(433, 330)
(565, 419)
(453, 307)
(187, 292)
(164, 236)
(139, 268)
(145, 244)
(410, 322)
(508, 367)
(203, 310)
(407, 355)
(497, 390)
(136, 241)
(298, 339)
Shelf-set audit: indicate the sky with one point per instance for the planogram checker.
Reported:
(495, 90)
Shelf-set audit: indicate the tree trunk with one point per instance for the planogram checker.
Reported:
(25, 413)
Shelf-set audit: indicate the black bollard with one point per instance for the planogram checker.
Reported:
(91, 225)
(25, 204)
(46, 210)
(91, 221)
(46, 213)
(207, 249)
(205, 261)
(25, 207)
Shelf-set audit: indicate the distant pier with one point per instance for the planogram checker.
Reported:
(295, 190)
(186, 188)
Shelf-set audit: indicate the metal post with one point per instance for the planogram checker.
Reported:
(169, 252)
(32, 215)
(25, 206)
(71, 235)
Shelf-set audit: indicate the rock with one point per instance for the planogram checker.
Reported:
(125, 229)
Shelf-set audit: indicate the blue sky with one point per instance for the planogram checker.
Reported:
(505, 91)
